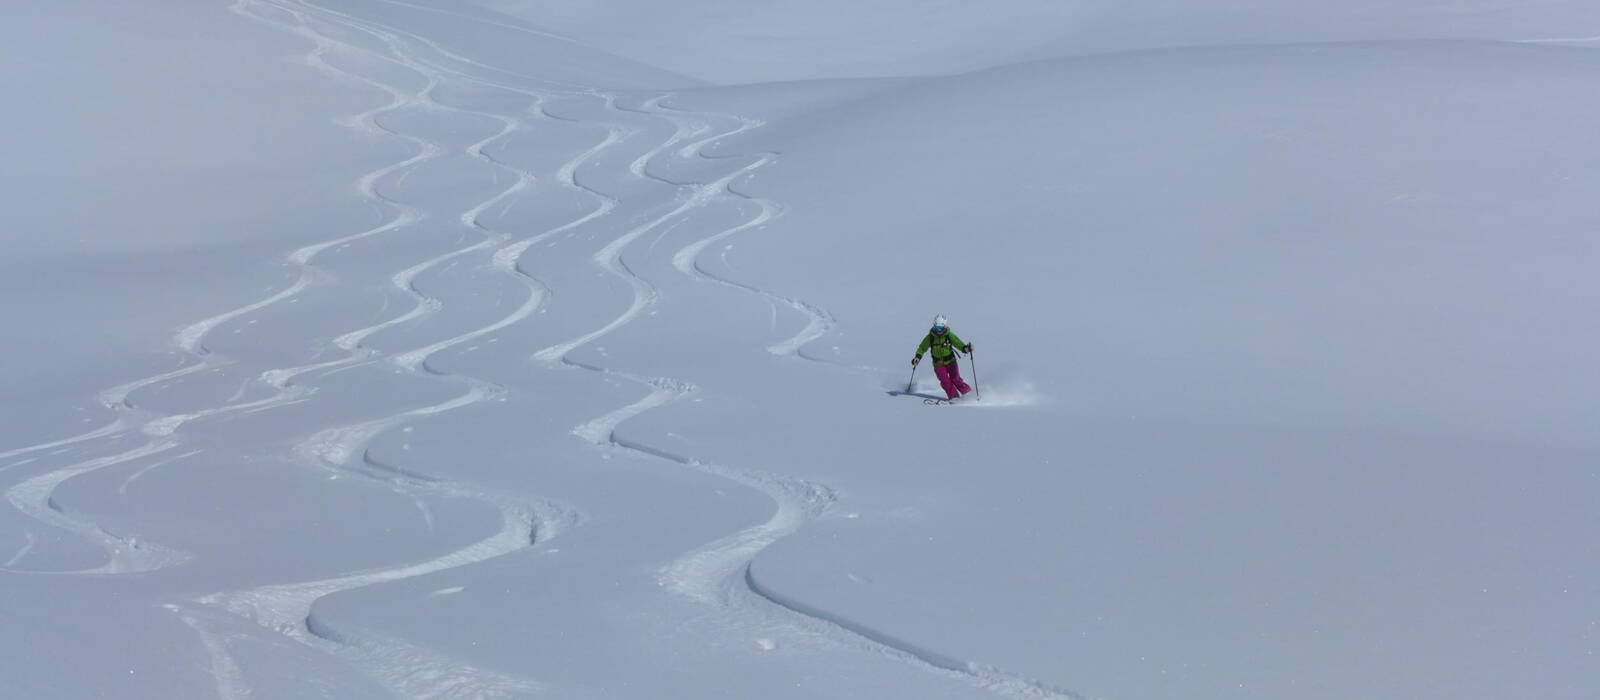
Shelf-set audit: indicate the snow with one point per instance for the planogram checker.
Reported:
(383, 348)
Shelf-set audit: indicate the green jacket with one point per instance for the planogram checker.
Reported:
(944, 347)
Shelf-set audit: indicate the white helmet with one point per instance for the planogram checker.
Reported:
(941, 322)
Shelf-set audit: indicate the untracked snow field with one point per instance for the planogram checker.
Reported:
(515, 349)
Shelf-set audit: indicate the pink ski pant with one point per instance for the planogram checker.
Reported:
(950, 379)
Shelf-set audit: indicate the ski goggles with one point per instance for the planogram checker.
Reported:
(940, 329)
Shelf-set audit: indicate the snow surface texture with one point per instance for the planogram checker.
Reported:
(383, 348)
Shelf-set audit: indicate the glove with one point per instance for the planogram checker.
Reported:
(915, 360)
(967, 349)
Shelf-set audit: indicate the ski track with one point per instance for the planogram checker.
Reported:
(224, 669)
(126, 555)
(718, 573)
(408, 670)
(819, 322)
(27, 546)
(413, 672)
(122, 489)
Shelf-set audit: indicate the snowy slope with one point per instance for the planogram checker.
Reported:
(476, 351)
(770, 40)
(1280, 407)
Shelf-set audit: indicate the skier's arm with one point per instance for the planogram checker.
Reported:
(955, 340)
(927, 341)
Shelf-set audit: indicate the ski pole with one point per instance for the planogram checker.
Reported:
(973, 361)
(912, 382)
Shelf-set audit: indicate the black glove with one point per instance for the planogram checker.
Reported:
(967, 349)
(915, 360)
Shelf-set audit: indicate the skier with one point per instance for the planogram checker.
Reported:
(944, 343)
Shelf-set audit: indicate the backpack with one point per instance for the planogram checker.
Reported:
(941, 340)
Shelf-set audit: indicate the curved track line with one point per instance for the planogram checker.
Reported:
(122, 489)
(126, 555)
(989, 678)
(409, 670)
(115, 427)
(707, 573)
(645, 294)
(717, 563)
(719, 573)
(685, 129)
(721, 560)
(337, 445)
(224, 670)
(27, 546)
(288, 607)
(715, 566)
(819, 322)
(506, 257)
(798, 501)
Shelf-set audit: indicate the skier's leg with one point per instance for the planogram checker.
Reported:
(943, 371)
(956, 380)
